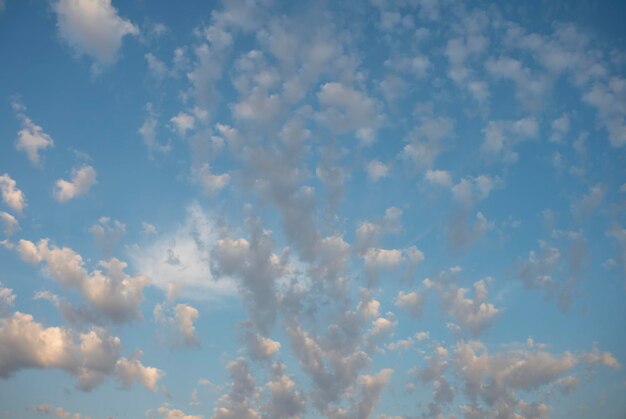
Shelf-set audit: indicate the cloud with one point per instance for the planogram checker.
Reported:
(112, 293)
(178, 261)
(148, 132)
(183, 122)
(211, 183)
(470, 191)
(31, 138)
(286, 401)
(11, 225)
(438, 177)
(129, 371)
(426, 141)
(90, 357)
(58, 412)
(412, 302)
(608, 99)
(181, 318)
(501, 137)
(347, 109)
(11, 195)
(82, 180)
(92, 28)
(376, 170)
(165, 411)
(107, 233)
(237, 403)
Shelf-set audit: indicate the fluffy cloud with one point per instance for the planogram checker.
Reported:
(31, 138)
(411, 302)
(476, 314)
(107, 233)
(148, 132)
(92, 28)
(165, 411)
(346, 109)
(501, 137)
(90, 357)
(376, 170)
(11, 195)
(112, 293)
(210, 182)
(82, 180)
(439, 177)
(129, 371)
(181, 318)
(11, 225)
(426, 141)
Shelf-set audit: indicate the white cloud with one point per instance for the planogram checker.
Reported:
(412, 302)
(168, 412)
(346, 109)
(560, 128)
(107, 233)
(608, 99)
(113, 294)
(501, 137)
(82, 180)
(179, 260)
(11, 225)
(181, 318)
(376, 170)
(183, 122)
(90, 357)
(11, 195)
(211, 183)
(130, 370)
(148, 132)
(439, 177)
(92, 28)
(469, 191)
(59, 412)
(426, 141)
(31, 138)
(147, 228)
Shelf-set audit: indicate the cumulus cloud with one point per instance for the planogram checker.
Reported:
(92, 28)
(412, 302)
(148, 132)
(501, 138)
(347, 109)
(427, 140)
(32, 139)
(111, 293)
(12, 196)
(181, 318)
(476, 314)
(211, 183)
(438, 177)
(376, 170)
(90, 357)
(106, 233)
(11, 225)
(166, 411)
(83, 178)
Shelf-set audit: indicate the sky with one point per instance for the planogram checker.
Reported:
(270, 209)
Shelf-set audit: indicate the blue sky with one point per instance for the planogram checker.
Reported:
(261, 209)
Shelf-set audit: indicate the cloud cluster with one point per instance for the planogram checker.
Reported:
(92, 28)
(90, 357)
(111, 293)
